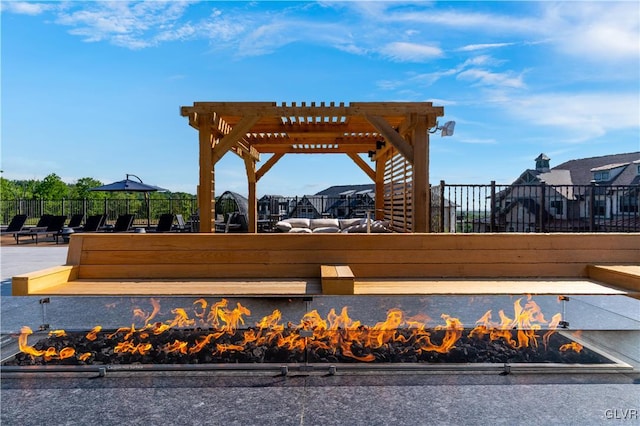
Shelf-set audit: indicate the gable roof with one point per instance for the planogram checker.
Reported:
(310, 201)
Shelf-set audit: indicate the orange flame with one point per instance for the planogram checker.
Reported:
(573, 346)
(49, 353)
(176, 346)
(93, 334)
(527, 320)
(338, 332)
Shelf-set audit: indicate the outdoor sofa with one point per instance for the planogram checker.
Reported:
(327, 226)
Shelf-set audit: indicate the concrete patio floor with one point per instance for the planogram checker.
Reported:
(301, 398)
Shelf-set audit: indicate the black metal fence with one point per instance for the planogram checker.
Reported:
(34, 208)
(454, 208)
(535, 208)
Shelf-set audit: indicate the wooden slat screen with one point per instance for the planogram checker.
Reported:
(398, 205)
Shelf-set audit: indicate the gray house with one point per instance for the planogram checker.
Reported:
(580, 194)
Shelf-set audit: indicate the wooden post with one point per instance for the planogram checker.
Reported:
(252, 202)
(379, 202)
(421, 191)
(206, 188)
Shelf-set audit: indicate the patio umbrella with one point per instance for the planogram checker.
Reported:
(129, 185)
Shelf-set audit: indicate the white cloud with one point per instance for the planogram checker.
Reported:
(481, 60)
(582, 116)
(474, 47)
(25, 8)
(488, 78)
(595, 31)
(477, 141)
(461, 19)
(410, 52)
(464, 71)
(133, 25)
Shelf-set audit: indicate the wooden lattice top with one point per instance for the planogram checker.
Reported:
(266, 127)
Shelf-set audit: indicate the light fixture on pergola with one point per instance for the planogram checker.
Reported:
(377, 129)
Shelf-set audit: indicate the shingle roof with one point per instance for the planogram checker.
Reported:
(580, 169)
(556, 177)
(339, 189)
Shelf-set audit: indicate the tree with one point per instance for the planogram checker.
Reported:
(25, 188)
(8, 189)
(51, 188)
(82, 189)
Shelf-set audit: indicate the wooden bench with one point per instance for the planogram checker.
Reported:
(309, 264)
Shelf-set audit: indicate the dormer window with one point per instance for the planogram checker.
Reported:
(601, 176)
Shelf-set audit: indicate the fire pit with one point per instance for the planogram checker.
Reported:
(219, 335)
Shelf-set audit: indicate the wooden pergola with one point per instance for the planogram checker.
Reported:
(385, 131)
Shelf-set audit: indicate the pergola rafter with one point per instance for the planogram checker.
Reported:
(250, 129)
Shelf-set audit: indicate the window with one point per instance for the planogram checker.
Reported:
(599, 208)
(558, 206)
(628, 204)
(600, 176)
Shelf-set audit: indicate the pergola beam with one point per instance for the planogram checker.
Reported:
(363, 165)
(267, 165)
(312, 109)
(229, 140)
(314, 149)
(391, 135)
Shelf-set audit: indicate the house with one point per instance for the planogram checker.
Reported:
(308, 206)
(274, 206)
(448, 210)
(583, 194)
(350, 201)
(343, 201)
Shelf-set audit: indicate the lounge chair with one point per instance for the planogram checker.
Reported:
(76, 221)
(93, 223)
(43, 222)
(123, 223)
(165, 223)
(54, 229)
(181, 225)
(16, 224)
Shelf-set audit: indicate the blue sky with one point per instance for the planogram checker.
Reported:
(94, 89)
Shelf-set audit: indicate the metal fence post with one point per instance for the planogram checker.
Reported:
(592, 204)
(442, 210)
(543, 206)
(492, 211)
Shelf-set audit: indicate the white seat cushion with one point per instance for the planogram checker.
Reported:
(326, 230)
